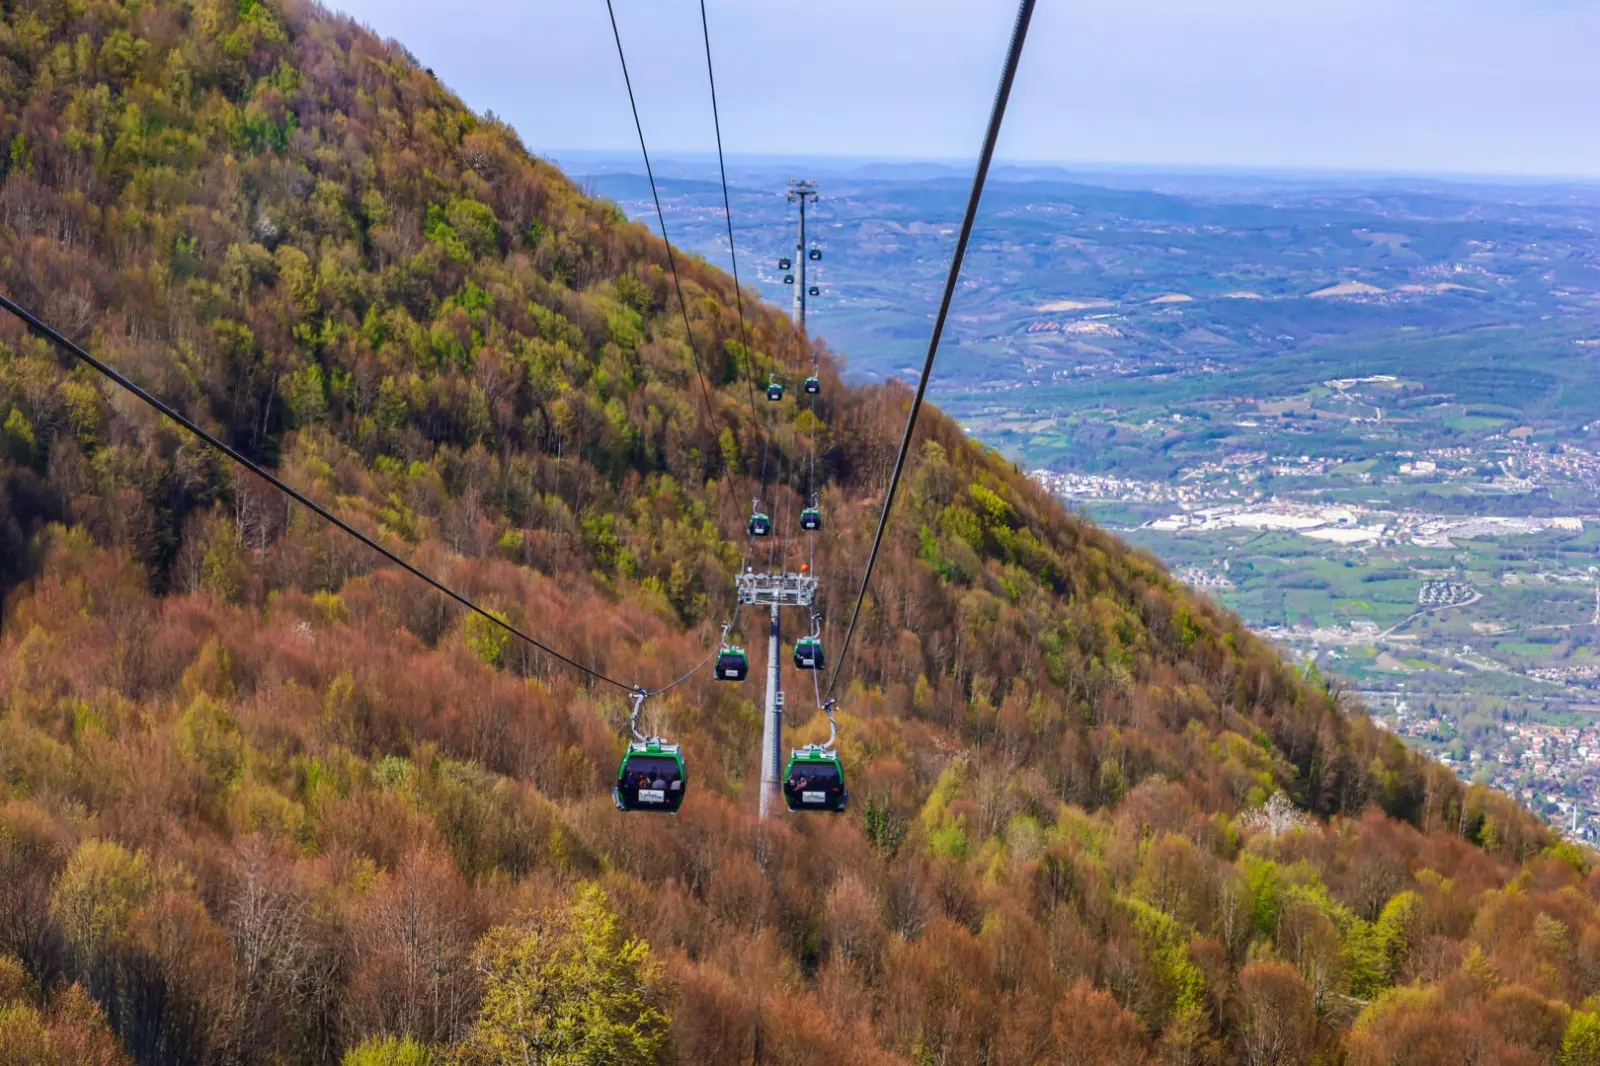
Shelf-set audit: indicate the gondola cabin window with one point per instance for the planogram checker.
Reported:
(650, 782)
(815, 782)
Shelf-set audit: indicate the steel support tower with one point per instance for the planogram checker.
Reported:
(804, 192)
(774, 591)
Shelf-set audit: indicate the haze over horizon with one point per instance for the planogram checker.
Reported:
(688, 164)
(1440, 87)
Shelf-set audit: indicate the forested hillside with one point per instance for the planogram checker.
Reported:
(264, 799)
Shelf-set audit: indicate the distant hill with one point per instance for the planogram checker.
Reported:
(1347, 288)
(264, 799)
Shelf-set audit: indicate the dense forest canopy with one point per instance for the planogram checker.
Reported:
(265, 799)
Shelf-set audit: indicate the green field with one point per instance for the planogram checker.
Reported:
(1127, 425)
(1520, 621)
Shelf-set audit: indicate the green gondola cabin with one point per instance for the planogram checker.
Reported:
(784, 264)
(814, 781)
(814, 291)
(732, 665)
(652, 778)
(808, 654)
(760, 525)
(813, 386)
(775, 391)
(816, 255)
(811, 520)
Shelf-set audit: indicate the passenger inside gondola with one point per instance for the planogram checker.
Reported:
(813, 786)
(651, 783)
(732, 664)
(808, 654)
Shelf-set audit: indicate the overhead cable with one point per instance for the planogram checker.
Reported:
(655, 195)
(727, 207)
(997, 116)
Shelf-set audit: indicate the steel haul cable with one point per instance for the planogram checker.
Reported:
(744, 331)
(655, 197)
(811, 480)
(672, 259)
(733, 253)
(672, 264)
(50, 334)
(1019, 36)
(727, 205)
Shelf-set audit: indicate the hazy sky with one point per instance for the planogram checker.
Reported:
(1447, 86)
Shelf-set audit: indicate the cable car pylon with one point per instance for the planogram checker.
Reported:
(802, 192)
(775, 591)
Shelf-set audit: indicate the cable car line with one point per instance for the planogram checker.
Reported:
(774, 389)
(733, 663)
(1019, 35)
(733, 253)
(727, 205)
(788, 515)
(759, 525)
(52, 335)
(672, 259)
(652, 775)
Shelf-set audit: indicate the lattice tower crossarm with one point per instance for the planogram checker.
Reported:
(776, 590)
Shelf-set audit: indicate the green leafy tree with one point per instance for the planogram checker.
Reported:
(305, 391)
(102, 886)
(487, 640)
(15, 984)
(388, 1051)
(573, 990)
(1581, 1044)
(17, 441)
(23, 1037)
(884, 829)
(21, 153)
(222, 569)
(1394, 930)
(208, 736)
